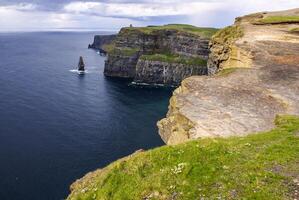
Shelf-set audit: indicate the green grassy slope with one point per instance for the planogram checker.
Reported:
(258, 166)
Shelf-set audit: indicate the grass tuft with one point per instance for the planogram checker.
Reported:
(228, 34)
(257, 166)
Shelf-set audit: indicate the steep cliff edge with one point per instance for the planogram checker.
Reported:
(261, 166)
(257, 60)
(159, 54)
(100, 41)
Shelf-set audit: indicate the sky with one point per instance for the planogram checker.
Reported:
(111, 15)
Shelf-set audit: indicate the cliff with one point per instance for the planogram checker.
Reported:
(254, 76)
(159, 54)
(100, 41)
(257, 60)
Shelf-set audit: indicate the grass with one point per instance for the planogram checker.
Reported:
(228, 71)
(258, 166)
(278, 19)
(124, 51)
(199, 31)
(171, 58)
(228, 34)
(109, 47)
(294, 30)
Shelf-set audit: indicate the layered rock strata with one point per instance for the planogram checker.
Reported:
(125, 52)
(165, 73)
(257, 60)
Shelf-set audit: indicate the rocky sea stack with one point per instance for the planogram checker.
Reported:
(159, 54)
(81, 65)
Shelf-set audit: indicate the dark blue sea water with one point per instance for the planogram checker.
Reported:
(55, 125)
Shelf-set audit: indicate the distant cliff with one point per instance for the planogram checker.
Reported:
(100, 41)
(159, 54)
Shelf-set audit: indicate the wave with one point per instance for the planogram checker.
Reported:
(76, 71)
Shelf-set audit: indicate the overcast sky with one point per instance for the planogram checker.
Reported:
(28, 15)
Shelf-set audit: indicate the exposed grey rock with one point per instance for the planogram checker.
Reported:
(121, 66)
(123, 61)
(164, 73)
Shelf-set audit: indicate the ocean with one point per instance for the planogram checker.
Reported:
(56, 126)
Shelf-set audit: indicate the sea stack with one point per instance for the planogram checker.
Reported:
(81, 66)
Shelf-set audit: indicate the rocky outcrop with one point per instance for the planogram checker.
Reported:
(257, 62)
(181, 41)
(100, 41)
(81, 65)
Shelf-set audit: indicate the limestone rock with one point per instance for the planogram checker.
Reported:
(264, 81)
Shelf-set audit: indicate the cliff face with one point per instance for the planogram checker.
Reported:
(100, 41)
(165, 73)
(119, 65)
(169, 47)
(257, 60)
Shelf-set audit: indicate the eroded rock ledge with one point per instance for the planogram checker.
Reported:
(257, 60)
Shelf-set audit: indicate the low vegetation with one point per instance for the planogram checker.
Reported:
(228, 34)
(204, 32)
(125, 51)
(172, 58)
(228, 71)
(109, 47)
(278, 20)
(259, 166)
(294, 30)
